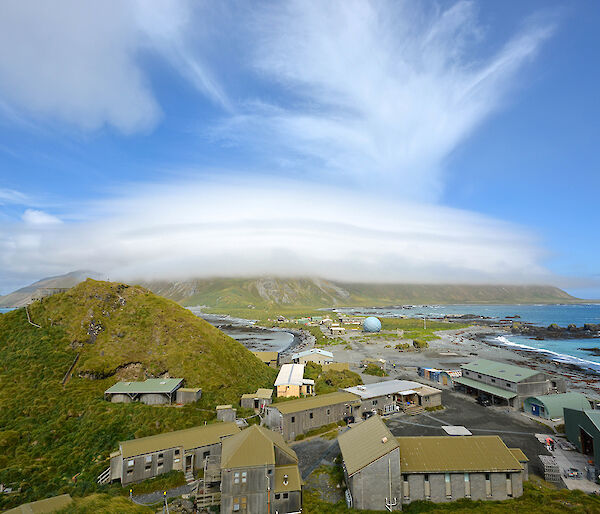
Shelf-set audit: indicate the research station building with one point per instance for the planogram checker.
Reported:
(182, 450)
(295, 417)
(383, 472)
(153, 391)
(505, 384)
(259, 473)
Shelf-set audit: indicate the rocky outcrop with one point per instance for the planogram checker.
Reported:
(555, 331)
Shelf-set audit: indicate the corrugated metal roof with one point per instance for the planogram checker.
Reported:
(266, 356)
(500, 370)
(555, 403)
(43, 506)
(254, 446)
(294, 481)
(387, 387)
(365, 443)
(188, 439)
(263, 394)
(314, 402)
(496, 391)
(519, 455)
(312, 351)
(152, 385)
(426, 454)
(594, 417)
(290, 374)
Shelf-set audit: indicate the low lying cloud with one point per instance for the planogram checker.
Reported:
(247, 228)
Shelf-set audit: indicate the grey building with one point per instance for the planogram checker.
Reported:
(258, 400)
(259, 474)
(371, 462)
(153, 391)
(395, 395)
(438, 469)
(316, 355)
(505, 384)
(295, 417)
(182, 450)
(188, 395)
(582, 428)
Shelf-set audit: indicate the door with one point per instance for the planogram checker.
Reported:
(535, 409)
(189, 462)
(445, 380)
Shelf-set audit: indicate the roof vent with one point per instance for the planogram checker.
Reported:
(384, 439)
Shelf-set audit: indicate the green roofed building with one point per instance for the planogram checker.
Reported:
(295, 417)
(582, 428)
(551, 406)
(505, 384)
(259, 473)
(383, 472)
(182, 450)
(153, 391)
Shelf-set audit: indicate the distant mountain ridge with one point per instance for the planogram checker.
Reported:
(284, 292)
(24, 296)
(263, 292)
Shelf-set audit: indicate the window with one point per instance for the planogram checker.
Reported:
(130, 463)
(148, 458)
(466, 372)
(427, 488)
(244, 503)
(244, 475)
(478, 376)
(176, 460)
(488, 485)
(285, 496)
(293, 419)
(236, 478)
(448, 485)
(328, 412)
(467, 485)
(310, 415)
(236, 504)
(206, 455)
(374, 402)
(160, 455)
(493, 380)
(177, 452)
(148, 464)
(277, 496)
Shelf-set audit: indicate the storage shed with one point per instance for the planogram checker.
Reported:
(550, 406)
(153, 391)
(258, 400)
(582, 428)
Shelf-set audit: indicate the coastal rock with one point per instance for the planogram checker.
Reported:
(554, 331)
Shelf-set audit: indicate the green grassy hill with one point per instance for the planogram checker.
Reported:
(50, 433)
(267, 293)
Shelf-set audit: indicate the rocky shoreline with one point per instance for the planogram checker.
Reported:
(553, 331)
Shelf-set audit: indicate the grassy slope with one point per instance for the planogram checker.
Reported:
(49, 433)
(264, 294)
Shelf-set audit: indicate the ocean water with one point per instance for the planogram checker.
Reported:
(563, 350)
(5, 310)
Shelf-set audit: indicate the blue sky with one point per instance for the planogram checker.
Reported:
(438, 142)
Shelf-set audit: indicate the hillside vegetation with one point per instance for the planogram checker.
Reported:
(56, 438)
(229, 295)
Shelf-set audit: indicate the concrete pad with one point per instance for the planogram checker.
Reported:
(456, 430)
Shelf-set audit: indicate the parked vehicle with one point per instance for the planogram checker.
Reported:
(484, 402)
(367, 414)
(349, 419)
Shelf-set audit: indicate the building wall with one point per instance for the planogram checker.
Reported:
(201, 453)
(293, 502)
(371, 485)
(188, 396)
(147, 466)
(154, 398)
(120, 398)
(291, 425)
(431, 400)
(382, 404)
(291, 390)
(575, 420)
(437, 486)
(226, 415)
(248, 403)
(254, 489)
(318, 359)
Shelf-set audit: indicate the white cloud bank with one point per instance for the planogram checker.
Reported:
(373, 94)
(248, 228)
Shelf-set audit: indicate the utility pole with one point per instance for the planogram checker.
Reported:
(424, 323)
